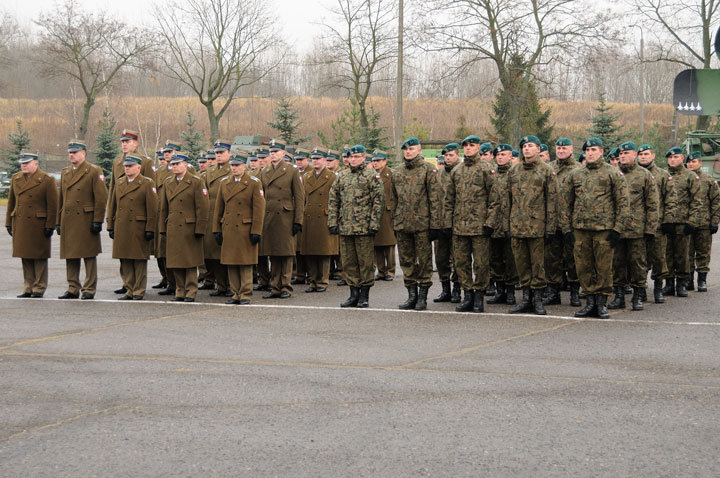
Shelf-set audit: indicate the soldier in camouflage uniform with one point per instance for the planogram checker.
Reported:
(356, 203)
(701, 239)
(593, 211)
(417, 221)
(531, 198)
(681, 221)
(443, 245)
(544, 155)
(502, 262)
(629, 259)
(466, 210)
(486, 153)
(559, 260)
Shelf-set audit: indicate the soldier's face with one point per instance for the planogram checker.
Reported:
(211, 162)
(276, 157)
(167, 155)
(470, 149)
(646, 157)
(302, 163)
(544, 156)
(593, 153)
(412, 151)
(675, 160)
(319, 163)
(503, 157)
(530, 152)
(29, 167)
(563, 152)
(255, 164)
(692, 164)
(379, 164)
(487, 157)
(356, 160)
(77, 158)
(132, 171)
(333, 165)
(238, 169)
(128, 145)
(223, 156)
(627, 157)
(179, 169)
(452, 157)
(202, 166)
(614, 162)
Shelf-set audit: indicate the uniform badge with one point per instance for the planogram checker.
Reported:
(435, 171)
(492, 171)
(101, 177)
(204, 192)
(153, 168)
(377, 176)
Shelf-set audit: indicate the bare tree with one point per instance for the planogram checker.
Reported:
(215, 47)
(90, 48)
(362, 42)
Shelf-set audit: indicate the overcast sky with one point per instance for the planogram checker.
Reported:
(296, 15)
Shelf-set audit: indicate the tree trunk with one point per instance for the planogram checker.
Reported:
(364, 124)
(214, 122)
(89, 102)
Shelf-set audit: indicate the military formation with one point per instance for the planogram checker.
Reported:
(495, 219)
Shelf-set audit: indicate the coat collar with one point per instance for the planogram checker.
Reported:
(76, 175)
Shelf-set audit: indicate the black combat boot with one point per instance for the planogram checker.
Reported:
(553, 295)
(627, 289)
(669, 288)
(702, 282)
(690, 284)
(643, 294)
(590, 308)
(491, 290)
(421, 303)
(467, 303)
(500, 295)
(455, 294)
(681, 288)
(538, 302)
(411, 300)
(575, 294)
(636, 300)
(364, 299)
(658, 292)
(618, 301)
(602, 310)
(478, 298)
(352, 301)
(510, 294)
(525, 305)
(445, 294)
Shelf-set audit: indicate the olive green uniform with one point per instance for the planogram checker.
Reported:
(685, 185)
(701, 239)
(656, 245)
(559, 259)
(502, 261)
(442, 247)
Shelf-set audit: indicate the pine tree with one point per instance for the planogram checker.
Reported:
(287, 124)
(107, 144)
(605, 125)
(346, 130)
(19, 140)
(192, 139)
(376, 137)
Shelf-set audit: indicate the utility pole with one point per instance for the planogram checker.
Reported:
(642, 85)
(399, 85)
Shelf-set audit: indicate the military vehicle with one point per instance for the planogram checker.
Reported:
(707, 144)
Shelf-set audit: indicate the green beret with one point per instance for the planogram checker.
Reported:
(411, 141)
(529, 139)
(563, 142)
(515, 153)
(628, 146)
(472, 139)
(450, 147)
(614, 153)
(590, 142)
(485, 148)
(76, 145)
(674, 150)
(27, 157)
(501, 147)
(318, 153)
(131, 160)
(646, 147)
(276, 145)
(357, 149)
(543, 147)
(695, 155)
(379, 155)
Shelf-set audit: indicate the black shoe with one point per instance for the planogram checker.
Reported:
(69, 295)
(553, 295)
(602, 311)
(636, 301)
(232, 301)
(24, 295)
(525, 304)
(121, 290)
(510, 294)
(178, 299)
(341, 283)
(455, 294)
(590, 308)
(490, 291)
(352, 301)
(445, 294)
(538, 302)
(285, 294)
(658, 292)
(334, 277)
(206, 287)
(138, 297)
(364, 297)
(669, 288)
(411, 300)
(244, 302)
(500, 295)
(161, 285)
(261, 287)
(702, 281)
(681, 288)
(272, 295)
(467, 303)
(478, 298)
(87, 296)
(618, 301)
(167, 292)
(421, 303)
(320, 289)
(575, 294)
(125, 297)
(643, 294)
(311, 289)
(218, 293)
(36, 295)
(189, 299)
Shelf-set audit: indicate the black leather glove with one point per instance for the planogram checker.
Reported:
(57, 229)
(434, 234)
(95, 227)
(48, 231)
(487, 231)
(548, 238)
(254, 239)
(569, 239)
(296, 228)
(447, 232)
(9, 229)
(613, 238)
(333, 230)
(507, 235)
(667, 228)
(688, 229)
(149, 235)
(713, 228)
(648, 236)
(111, 233)
(373, 232)
(199, 235)
(218, 238)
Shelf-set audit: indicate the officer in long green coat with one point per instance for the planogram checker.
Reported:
(211, 249)
(162, 172)
(385, 240)
(30, 219)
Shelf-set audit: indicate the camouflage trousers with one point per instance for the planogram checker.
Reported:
(442, 248)
(700, 245)
(630, 263)
(559, 261)
(678, 254)
(472, 261)
(655, 254)
(356, 253)
(593, 261)
(529, 255)
(415, 252)
(502, 262)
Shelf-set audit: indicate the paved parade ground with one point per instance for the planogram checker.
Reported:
(300, 387)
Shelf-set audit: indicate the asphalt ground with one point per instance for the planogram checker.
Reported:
(300, 387)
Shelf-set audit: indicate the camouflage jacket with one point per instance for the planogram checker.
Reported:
(666, 201)
(685, 186)
(356, 202)
(710, 197)
(642, 202)
(532, 199)
(467, 197)
(562, 169)
(595, 199)
(417, 196)
(498, 211)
